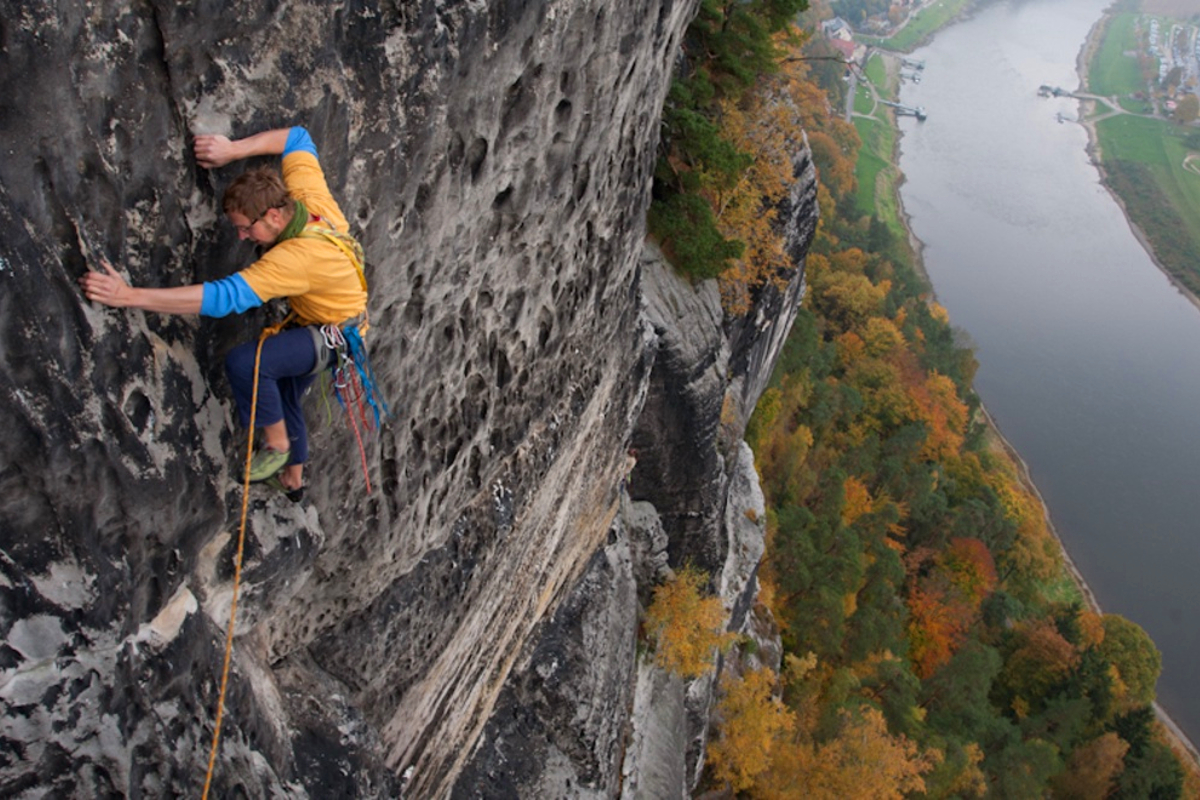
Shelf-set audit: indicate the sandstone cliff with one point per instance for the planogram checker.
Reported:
(469, 627)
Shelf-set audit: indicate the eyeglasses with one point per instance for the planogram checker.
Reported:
(246, 228)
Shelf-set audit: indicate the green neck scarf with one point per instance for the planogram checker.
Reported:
(299, 220)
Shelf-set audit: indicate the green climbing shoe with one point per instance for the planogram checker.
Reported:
(267, 462)
(295, 495)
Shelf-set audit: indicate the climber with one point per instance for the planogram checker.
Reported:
(317, 274)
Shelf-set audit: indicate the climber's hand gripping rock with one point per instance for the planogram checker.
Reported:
(106, 287)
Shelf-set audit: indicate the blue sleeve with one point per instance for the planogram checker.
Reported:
(298, 140)
(227, 296)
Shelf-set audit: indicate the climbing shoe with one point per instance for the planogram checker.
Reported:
(295, 495)
(267, 462)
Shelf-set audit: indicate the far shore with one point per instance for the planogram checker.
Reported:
(1182, 742)
(1095, 35)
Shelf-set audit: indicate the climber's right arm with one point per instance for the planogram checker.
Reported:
(215, 150)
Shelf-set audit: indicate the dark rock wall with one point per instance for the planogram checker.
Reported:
(560, 725)
(709, 372)
(495, 159)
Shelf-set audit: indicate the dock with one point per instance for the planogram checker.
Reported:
(903, 110)
(1053, 91)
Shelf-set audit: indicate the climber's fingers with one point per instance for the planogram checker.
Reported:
(213, 150)
(106, 287)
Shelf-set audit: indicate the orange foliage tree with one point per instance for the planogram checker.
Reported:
(937, 626)
(970, 569)
(945, 602)
(857, 500)
(1041, 659)
(750, 719)
(863, 761)
(686, 626)
(944, 415)
(1092, 769)
(746, 211)
(846, 300)
(770, 125)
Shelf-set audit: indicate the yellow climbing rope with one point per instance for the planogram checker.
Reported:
(237, 564)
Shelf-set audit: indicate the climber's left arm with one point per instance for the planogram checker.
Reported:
(111, 289)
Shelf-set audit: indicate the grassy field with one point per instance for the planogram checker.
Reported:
(1143, 159)
(875, 171)
(862, 100)
(1112, 71)
(921, 26)
(876, 72)
(1134, 106)
(877, 176)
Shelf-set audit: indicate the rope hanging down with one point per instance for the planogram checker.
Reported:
(237, 563)
(354, 383)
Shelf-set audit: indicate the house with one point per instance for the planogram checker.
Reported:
(837, 29)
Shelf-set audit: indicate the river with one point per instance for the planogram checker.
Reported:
(1089, 357)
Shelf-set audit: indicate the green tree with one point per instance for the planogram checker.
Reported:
(956, 697)
(1154, 775)
(1022, 769)
(1136, 728)
(688, 234)
(1151, 769)
(728, 47)
(1171, 82)
(876, 625)
(1137, 660)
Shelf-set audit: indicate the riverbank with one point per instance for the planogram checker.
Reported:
(1082, 64)
(1178, 739)
(1180, 742)
(996, 438)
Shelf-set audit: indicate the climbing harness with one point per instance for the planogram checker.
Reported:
(352, 378)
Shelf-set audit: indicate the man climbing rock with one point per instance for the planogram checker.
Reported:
(308, 258)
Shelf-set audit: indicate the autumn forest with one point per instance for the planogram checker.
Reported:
(934, 643)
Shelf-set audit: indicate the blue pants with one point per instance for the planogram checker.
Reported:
(284, 374)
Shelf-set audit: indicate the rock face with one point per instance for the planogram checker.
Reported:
(467, 628)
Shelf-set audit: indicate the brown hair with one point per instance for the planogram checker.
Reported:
(255, 192)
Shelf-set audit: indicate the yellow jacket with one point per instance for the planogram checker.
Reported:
(320, 282)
